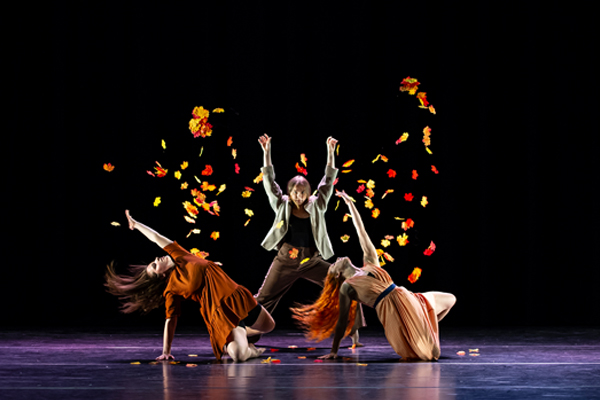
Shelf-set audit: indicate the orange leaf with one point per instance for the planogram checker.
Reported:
(215, 235)
(414, 174)
(375, 213)
(301, 170)
(403, 240)
(207, 170)
(293, 253)
(108, 167)
(191, 209)
(369, 203)
(229, 141)
(386, 192)
(409, 85)
(409, 223)
(303, 159)
(434, 169)
(388, 257)
(431, 109)
(259, 178)
(345, 238)
(370, 193)
(347, 163)
(160, 171)
(246, 193)
(206, 186)
(403, 138)
(345, 171)
(414, 276)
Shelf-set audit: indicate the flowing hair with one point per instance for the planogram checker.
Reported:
(137, 290)
(318, 320)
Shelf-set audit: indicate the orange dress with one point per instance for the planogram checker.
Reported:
(223, 303)
(409, 321)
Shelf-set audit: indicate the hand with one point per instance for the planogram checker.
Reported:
(265, 142)
(131, 221)
(331, 143)
(165, 357)
(343, 195)
(328, 356)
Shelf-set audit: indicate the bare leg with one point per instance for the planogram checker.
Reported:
(238, 349)
(264, 324)
(441, 302)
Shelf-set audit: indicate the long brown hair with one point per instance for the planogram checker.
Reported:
(137, 290)
(318, 320)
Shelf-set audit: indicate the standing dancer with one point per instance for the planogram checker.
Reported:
(298, 232)
(230, 312)
(410, 319)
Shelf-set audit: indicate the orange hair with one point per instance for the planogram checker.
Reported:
(318, 320)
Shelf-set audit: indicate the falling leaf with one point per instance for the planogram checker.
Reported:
(221, 189)
(206, 186)
(347, 163)
(248, 212)
(461, 353)
(218, 110)
(305, 260)
(385, 242)
(376, 158)
(414, 174)
(249, 188)
(195, 231)
(234, 153)
(201, 150)
(337, 150)
(279, 224)
(424, 201)
(163, 144)
(346, 216)
(215, 206)
(429, 251)
(389, 237)
(160, 171)
(386, 193)
(403, 138)
(215, 235)
(391, 173)
(360, 189)
(184, 165)
(191, 209)
(402, 240)
(259, 178)
(207, 170)
(190, 220)
(301, 170)
(426, 136)
(427, 150)
(370, 193)
(108, 167)
(246, 193)
(399, 219)
(151, 173)
(229, 141)
(388, 257)
(337, 205)
(409, 223)
(345, 171)
(184, 185)
(384, 158)
(303, 159)
(422, 96)
(414, 276)
(345, 238)
(237, 168)
(369, 204)
(115, 224)
(156, 201)
(293, 253)
(408, 196)
(409, 85)
(247, 222)
(371, 184)
(375, 213)
(177, 174)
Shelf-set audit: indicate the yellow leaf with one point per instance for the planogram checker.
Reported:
(190, 220)
(345, 171)
(337, 150)
(259, 178)
(424, 201)
(135, 363)
(115, 224)
(429, 151)
(218, 110)
(247, 222)
(385, 243)
(337, 205)
(234, 153)
(201, 150)
(156, 201)
(280, 224)
(371, 184)
(305, 260)
(184, 185)
(376, 158)
(345, 238)
(221, 189)
(348, 163)
(164, 145)
(249, 212)
(177, 174)
(184, 165)
(246, 193)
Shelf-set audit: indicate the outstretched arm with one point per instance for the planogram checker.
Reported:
(331, 142)
(169, 333)
(369, 251)
(342, 322)
(152, 235)
(265, 143)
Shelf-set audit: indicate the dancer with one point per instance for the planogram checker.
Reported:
(230, 312)
(410, 320)
(298, 232)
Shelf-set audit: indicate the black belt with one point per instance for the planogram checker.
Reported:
(383, 294)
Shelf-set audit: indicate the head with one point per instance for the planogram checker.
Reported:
(159, 266)
(137, 290)
(318, 320)
(342, 267)
(298, 189)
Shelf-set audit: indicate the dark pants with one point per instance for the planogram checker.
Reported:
(285, 270)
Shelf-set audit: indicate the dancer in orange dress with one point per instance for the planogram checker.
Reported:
(410, 320)
(229, 310)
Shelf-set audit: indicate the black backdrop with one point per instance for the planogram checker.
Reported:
(513, 211)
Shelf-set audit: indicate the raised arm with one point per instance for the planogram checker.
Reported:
(331, 142)
(369, 251)
(265, 143)
(152, 235)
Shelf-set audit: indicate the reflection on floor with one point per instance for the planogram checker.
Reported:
(498, 364)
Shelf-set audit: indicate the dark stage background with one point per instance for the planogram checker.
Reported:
(512, 212)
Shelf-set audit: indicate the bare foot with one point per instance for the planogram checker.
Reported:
(355, 342)
(254, 351)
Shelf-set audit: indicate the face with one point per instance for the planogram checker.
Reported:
(338, 266)
(298, 195)
(159, 266)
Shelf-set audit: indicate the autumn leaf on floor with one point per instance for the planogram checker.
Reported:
(409, 85)
(156, 201)
(207, 170)
(345, 238)
(409, 223)
(429, 251)
(108, 167)
(402, 240)
(215, 235)
(301, 170)
(403, 138)
(424, 201)
(408, 196)
(414, 276)
(293, 253)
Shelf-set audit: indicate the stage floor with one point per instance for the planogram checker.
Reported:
(516, 363)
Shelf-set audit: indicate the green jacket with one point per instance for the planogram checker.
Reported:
(316, 207)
